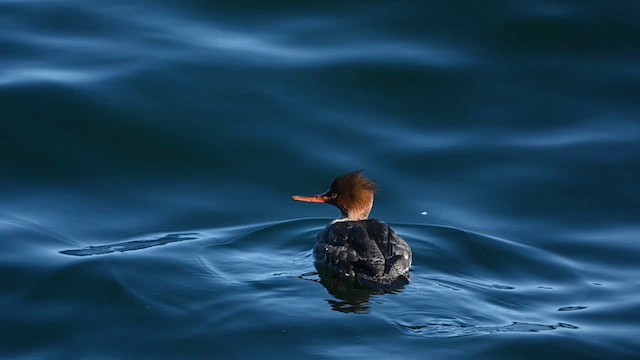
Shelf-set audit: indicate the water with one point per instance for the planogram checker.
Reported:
(148, 152)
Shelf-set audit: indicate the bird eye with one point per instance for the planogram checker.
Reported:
(333, 195)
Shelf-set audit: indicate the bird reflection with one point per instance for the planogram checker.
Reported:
(349, 296)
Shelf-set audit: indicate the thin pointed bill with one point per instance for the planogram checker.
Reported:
(318, 199)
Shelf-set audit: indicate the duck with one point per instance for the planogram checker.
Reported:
(356, 247)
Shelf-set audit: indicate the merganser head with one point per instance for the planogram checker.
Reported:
(352, 193)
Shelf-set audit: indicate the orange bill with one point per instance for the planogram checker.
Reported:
(318, 199)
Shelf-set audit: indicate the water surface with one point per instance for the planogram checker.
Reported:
(148, 152)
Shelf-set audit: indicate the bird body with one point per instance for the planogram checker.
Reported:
(357, 247)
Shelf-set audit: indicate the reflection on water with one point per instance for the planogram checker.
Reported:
(348, 295)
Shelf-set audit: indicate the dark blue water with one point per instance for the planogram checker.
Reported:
(148, 151)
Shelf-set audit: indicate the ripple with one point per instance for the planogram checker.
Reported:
(459, 327)
(132, 245)
(435, 326)
(572, 308)
(267, 252)
(36, 75)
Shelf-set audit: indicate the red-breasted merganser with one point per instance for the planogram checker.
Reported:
(358, 247)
